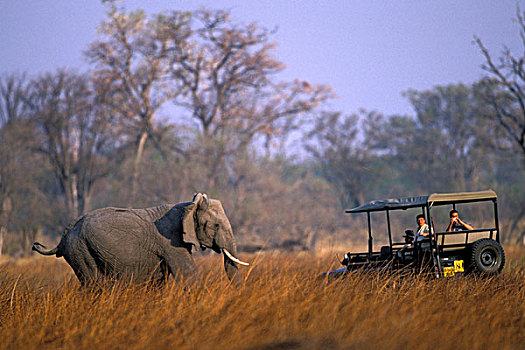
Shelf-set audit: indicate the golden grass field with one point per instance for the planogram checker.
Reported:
(281, 305)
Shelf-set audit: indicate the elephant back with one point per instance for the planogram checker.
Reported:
(151, 214)
(119, 222)
(154, 213)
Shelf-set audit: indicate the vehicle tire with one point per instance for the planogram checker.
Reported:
(486, 257)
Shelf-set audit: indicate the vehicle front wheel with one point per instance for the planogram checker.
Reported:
(486, 257)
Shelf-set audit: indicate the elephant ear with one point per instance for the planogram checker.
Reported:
(189, 235)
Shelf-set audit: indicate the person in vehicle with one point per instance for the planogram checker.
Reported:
(409, 237)
(456, 224)
(422, 227)
(405, 253)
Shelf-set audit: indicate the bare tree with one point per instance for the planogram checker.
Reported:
(504, 88)
(13, 89)
(19, 168)
(344, 159)
(230, 75)
(73, 133)
(131, 58)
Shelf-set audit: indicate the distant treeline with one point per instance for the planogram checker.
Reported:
(283, 165)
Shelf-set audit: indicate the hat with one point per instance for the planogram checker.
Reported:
(409, 234)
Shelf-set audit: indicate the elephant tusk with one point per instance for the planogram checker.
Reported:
(234, 259)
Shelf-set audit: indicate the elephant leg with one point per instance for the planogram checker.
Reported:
(180, 262)
(85, 269)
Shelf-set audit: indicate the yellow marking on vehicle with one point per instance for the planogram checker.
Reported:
(448, 271)
(458, 266)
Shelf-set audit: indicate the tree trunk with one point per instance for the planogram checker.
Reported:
(86, 202)
(513, 229)
(136, 167)
(66, 182)
(2, 233)
(74, 196)
(29, 235)
(5, 209)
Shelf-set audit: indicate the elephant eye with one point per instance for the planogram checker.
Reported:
(216, 227)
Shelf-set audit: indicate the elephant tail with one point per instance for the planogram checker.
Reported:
(36, 248)
(59, 250)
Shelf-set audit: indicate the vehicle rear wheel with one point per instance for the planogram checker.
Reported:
(486, 257)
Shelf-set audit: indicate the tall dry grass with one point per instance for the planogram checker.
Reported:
(282, 305)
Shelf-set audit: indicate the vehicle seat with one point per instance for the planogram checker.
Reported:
(386, 251)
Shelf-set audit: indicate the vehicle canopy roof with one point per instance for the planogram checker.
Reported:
(420, 201)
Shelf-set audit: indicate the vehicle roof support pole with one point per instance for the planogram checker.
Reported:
(389, 229)
(370, 246)
(496, 220)
(434, 245)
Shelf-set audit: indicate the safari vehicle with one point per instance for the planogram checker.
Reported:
(482, 254)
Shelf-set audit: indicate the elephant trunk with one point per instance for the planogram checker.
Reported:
(232, 271)
(224, 242)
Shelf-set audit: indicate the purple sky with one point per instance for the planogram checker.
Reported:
(368, 51)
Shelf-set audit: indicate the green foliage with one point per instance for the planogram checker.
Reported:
(447, 146)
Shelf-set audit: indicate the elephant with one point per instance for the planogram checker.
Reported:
(146, 244)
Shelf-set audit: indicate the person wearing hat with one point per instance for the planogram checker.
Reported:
(405, 252)
(409, 237)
